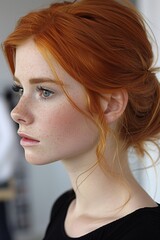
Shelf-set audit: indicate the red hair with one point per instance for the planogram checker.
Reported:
(103, 45)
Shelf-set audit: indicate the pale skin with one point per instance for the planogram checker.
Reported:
(61, 132)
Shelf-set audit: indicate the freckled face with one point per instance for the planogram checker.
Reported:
(45, 114)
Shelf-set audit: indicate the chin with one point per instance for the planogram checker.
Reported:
(35, 160)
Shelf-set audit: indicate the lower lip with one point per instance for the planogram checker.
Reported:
(26, 142)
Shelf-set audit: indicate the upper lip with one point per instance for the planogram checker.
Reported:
(23, 135)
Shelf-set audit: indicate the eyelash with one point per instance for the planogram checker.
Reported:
(42, 90)
(19, 90)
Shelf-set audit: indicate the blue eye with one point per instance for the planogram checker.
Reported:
(17, 89)
(45, 93)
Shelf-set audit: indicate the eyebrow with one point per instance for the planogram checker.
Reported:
(40, 80)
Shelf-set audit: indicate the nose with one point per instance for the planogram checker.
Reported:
(21, 114)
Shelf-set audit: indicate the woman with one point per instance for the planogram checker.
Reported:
(88, 93)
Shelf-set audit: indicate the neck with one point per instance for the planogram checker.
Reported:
(92, 184)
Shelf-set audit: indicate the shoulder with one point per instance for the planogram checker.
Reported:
(149, 214)
(58, 213)
(144, 223)
(62, 202)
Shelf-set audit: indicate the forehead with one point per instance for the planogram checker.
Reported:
(30, 63)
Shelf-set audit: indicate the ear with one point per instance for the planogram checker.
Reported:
(114, 104)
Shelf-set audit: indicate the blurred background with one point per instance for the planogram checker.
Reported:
(37, 187)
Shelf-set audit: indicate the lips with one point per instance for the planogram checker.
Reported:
(27, 140)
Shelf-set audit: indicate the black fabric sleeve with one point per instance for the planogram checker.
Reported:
(61, 203)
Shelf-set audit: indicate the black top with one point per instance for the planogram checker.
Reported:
(141, 224)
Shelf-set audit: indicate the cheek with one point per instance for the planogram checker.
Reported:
(69, 125)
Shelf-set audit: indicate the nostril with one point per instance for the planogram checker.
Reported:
(20, 120)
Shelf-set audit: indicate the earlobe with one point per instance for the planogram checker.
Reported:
(115, 105)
